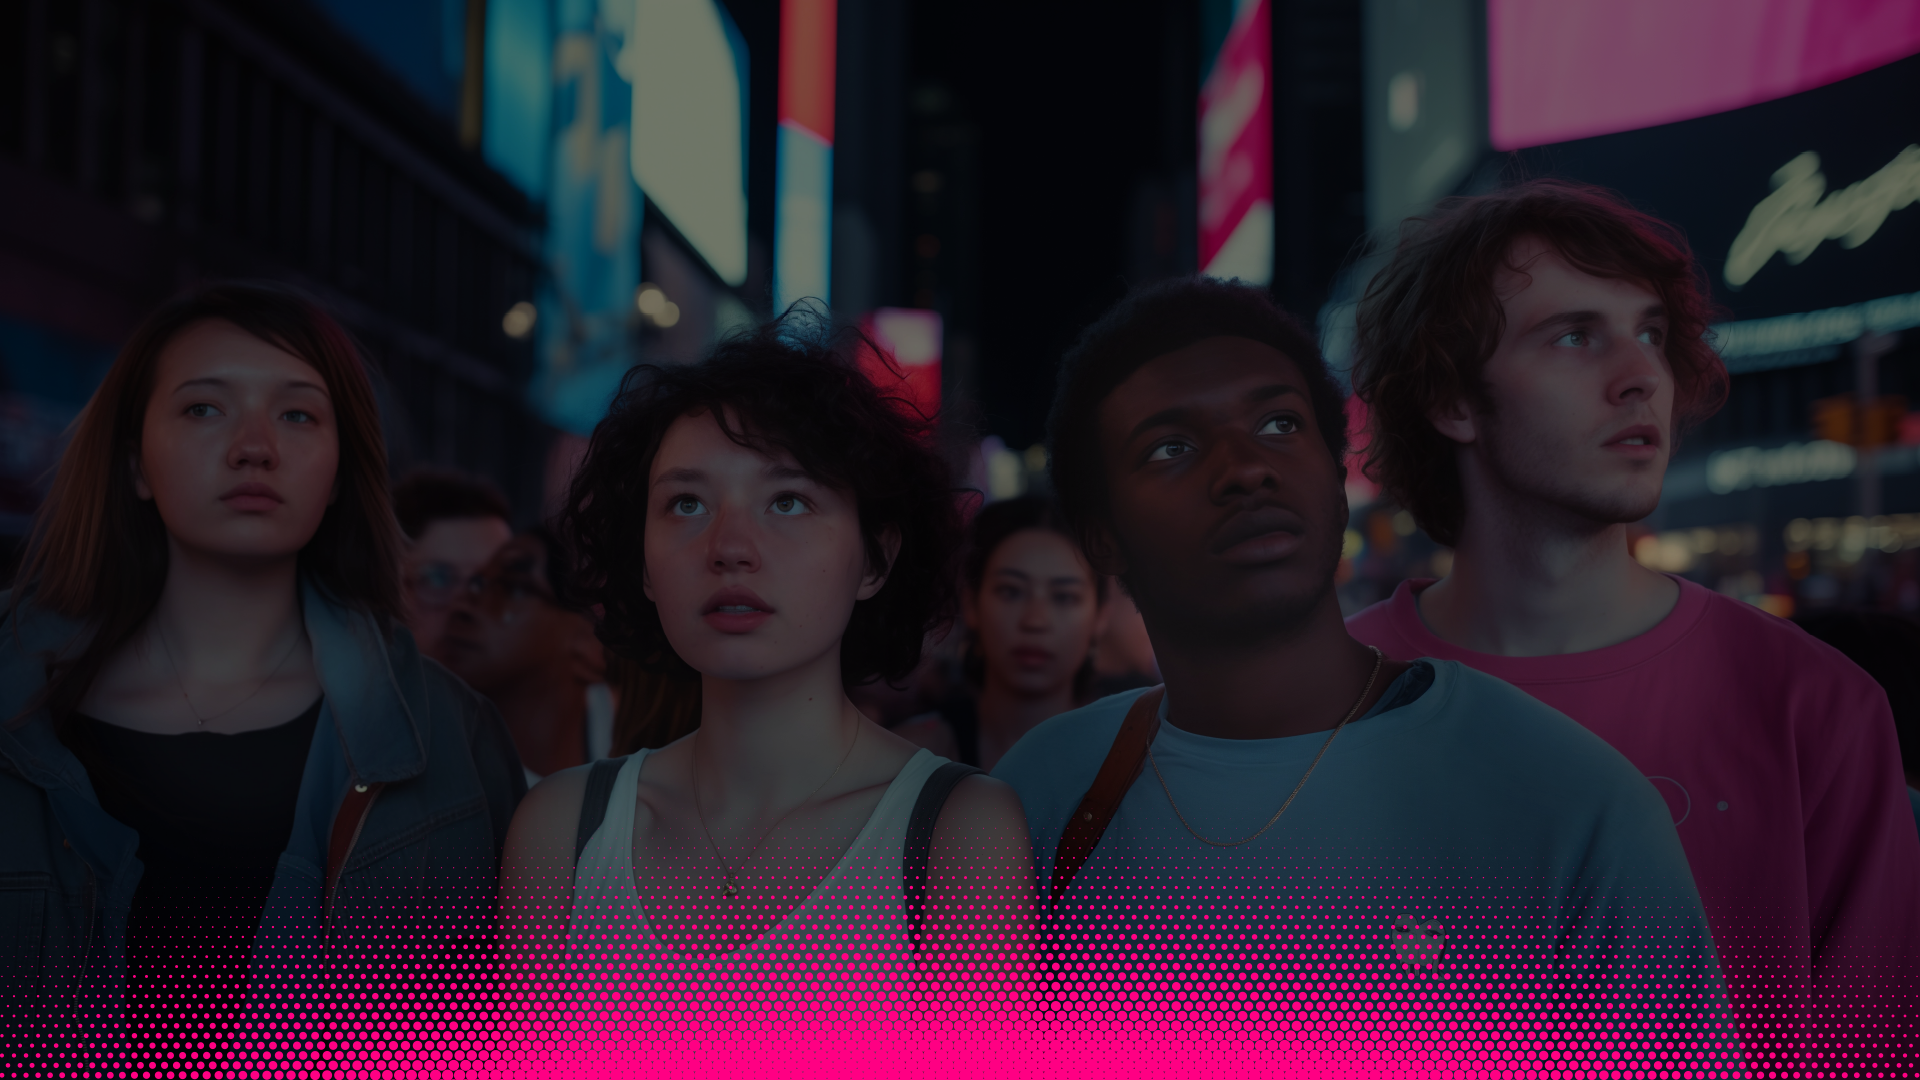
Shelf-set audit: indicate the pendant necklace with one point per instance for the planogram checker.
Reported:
(182, 683)
(732, 888)
(1378, 657)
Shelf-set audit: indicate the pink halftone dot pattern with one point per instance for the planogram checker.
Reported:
(1298, 980)
(1225, 1008)
(1570, 69)
(1324, 962)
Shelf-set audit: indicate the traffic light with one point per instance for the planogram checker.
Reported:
(1880, 420)
(1842, 419)
(1833, 419)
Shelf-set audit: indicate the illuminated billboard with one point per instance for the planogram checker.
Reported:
(593, 217)
(1236, 152)
(803, 216)
(518, 91)
(1573, 69)
(1425, 104)
(1804, 210)
(688, 66)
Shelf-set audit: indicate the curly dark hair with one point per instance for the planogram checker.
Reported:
(557, 564)
(1149, 322)
(428, 493)
(791, 387)
(1430, 320)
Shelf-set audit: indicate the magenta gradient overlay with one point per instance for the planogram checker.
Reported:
(1104, 1022)
(1569, 69)
(1304, 1039)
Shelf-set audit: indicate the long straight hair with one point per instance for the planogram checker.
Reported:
(994, 525)
(98, 552)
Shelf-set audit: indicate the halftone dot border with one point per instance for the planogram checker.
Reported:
(1302, 975)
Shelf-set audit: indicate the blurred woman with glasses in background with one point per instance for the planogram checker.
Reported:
(517, 634)
(453, 524)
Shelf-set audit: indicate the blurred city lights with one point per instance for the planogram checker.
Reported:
(519, 319)
(1794, 463)
(652, 303)
(1403, 101)
(1006, 474)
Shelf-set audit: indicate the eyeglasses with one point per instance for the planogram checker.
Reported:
(434, 584)
(503, 595)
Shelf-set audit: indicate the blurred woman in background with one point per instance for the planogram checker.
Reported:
(1033, 609)
(215, 749)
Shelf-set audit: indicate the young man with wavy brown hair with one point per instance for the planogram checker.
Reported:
(1529, 358)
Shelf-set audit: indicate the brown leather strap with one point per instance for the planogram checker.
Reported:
(1089, 821)
(346, 830)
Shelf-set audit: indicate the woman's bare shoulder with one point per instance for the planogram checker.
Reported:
(549, 815)
(981, 803)
(930, 730)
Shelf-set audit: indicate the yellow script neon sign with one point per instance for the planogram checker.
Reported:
(1795, 219)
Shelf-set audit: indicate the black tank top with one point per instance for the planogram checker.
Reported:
(213, 812)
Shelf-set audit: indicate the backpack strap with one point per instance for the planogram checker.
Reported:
(1116, 776)
(919, 846)
(593, 806)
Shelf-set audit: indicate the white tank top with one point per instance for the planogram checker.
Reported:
(854, 921)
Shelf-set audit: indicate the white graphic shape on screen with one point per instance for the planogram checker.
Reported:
(689, 152)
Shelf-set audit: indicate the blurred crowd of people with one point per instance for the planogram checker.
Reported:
(744, 691)
(1040, 634)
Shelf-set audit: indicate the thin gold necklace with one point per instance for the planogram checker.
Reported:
(732, 888)
(1378, 658)
(182, 683)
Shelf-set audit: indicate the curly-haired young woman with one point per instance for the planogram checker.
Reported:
(772, 520)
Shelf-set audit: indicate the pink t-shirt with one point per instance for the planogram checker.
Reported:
(1778, 759)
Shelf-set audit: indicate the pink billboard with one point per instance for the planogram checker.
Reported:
(1570, 69)
(1236, 152)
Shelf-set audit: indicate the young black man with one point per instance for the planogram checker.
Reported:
(1310, 824)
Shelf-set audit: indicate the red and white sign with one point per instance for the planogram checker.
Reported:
(912, 338)
(1236, 152)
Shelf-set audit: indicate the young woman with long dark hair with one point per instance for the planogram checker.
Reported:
(1033, 610)
(216, 753)
(772, 521)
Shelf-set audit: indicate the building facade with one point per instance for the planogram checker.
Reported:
(146, 145)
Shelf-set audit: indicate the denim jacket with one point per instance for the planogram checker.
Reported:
(400, 819)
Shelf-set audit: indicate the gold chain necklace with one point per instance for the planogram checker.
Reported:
(182, 683)
(1378, 658)
(732, 888)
